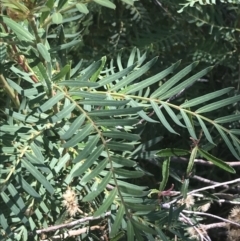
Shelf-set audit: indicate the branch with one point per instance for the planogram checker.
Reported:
(211, 215)
(213, 186)
(71, 224)
(73, 233)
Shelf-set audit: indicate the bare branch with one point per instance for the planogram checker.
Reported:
(71, 224)
(72, 233)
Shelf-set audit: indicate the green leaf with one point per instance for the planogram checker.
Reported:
(100, 187)
(205, 98)
(121, 135)
(175, 90)
(76, 68)
(172, 81)
(64, 71)
(191, 160)
(112, 112)
(61, 163)
(15, 86)
(131, 57)
(172, 114)
(127, 190)
(116, 122)
(118, 236)
(118, 146)
(165, 174)
(134, 75)
(218, 104)
(76, 83)
(147, 82)
(118, 221)
(188, 124)
(109, 79)
(73, 127)
(44, 77)
(162, 117)
(172, 152)
(141, 113)
(123, 161)
(129, 185)
(120, 172)
(4, 225)
(19, 30)
(15, 196)
(100, 166)
(106, 203)
(96, 74)
(227, 141)
(44, 52)
(130, 2)
(61, 3)
(216, 161)
(89, 161)
(161, 234)
(90, 71)
(13, 207)
(65, 46)
(91, 144)
(142, 227)
(63, 113)
(205, 130)
(104, 102)
(57, 18)
(79, 136)
(51, 102)
(36, 174)
(130, 231)
(85, 94)
(236, 141)
(21, 117)
(235, 131)
(141, 207)
(184, 188)
(228, 118)
(82, 8)
(105, 3)
(27, 187)
(39, 163)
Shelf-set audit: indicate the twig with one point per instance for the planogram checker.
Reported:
(211, 215)
(213, 186)
(156, 160)
(215, 225)
(71, 233)
(71, 224)
(227, 201)
(201, 161)
(196, 227)
(207, 181)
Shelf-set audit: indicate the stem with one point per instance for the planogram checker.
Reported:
(9, 91)
(34, 28)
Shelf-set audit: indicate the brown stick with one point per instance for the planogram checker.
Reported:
(71, 224)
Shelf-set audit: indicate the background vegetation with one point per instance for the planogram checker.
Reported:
(119, 120)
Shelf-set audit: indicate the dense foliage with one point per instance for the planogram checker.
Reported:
(110, 113)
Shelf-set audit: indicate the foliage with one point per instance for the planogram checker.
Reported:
(74, 131)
